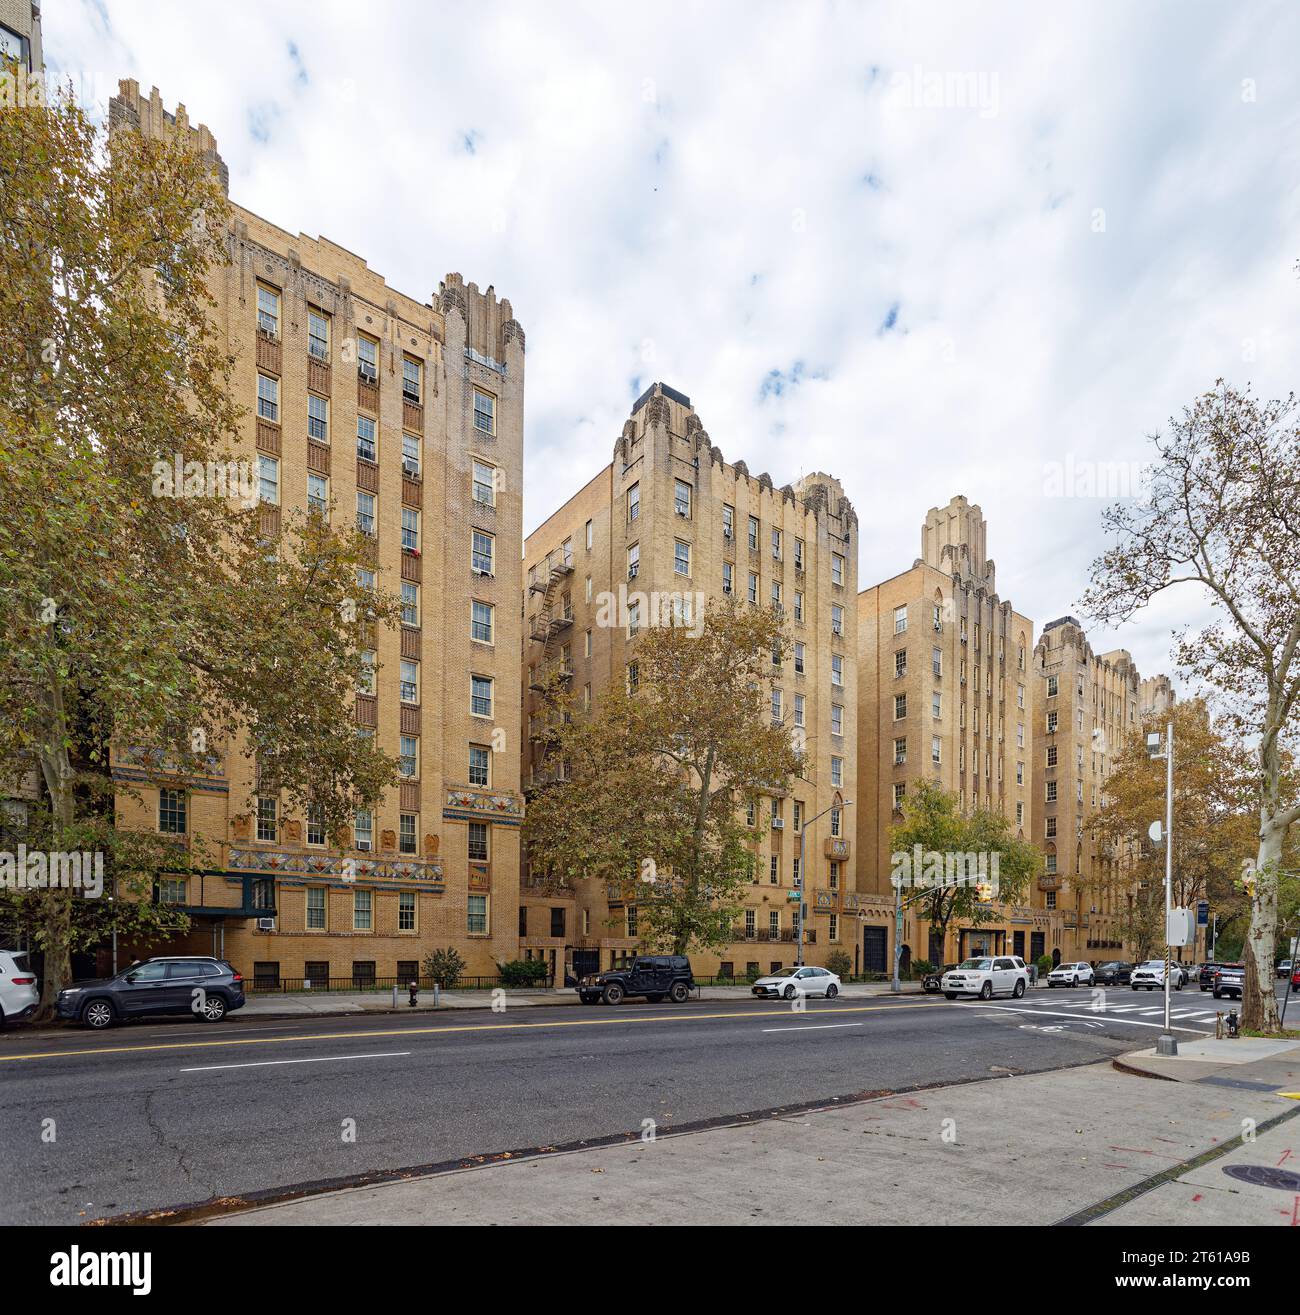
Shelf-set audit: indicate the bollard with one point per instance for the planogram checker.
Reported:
(415, 994)
(1234, 1024)
(394, 995)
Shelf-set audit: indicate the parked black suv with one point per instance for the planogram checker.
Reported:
(651, 976)
(1113, 973)
(194, 984)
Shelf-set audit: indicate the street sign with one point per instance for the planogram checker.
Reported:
(794, 897)
(1179, 927)
(1203, 913)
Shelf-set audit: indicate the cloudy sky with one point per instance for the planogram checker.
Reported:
(930, 248)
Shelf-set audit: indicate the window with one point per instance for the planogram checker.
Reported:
(900, 793)
(411, 456)
(480, 697)
(482, 552)
(411, 530)
(171, 812)
(480, 624)
(476, 915)
(315, 824)
(318, 494)
(753, 533)
(681, 497)
(633, 560)
(589, 536)
(834, 929)
(268, 310)
(837, 719)
(1053, 687)
(837, 568)
(366, 513)
(1020, 773)
(900, 620)
(837, 771)
(900, 706)
(798, 709)
(366, 447)
(837, 619)
(776, 544)
(1051, 723)
(480, 764)
(798, 656)
(936, 662)
(774, 872)
(631, 920)
(410, 603)
(1051, 792)
(936, 750)
(776, 707)
(406, 915)
(728, 521)
(681, 557)
(633, 677)
(837, 669)
(633, 618)
(406, 833)
(409, 681)
(633, 502)
(363, 973)
(776, 595)
(368, 358)
(318, 334)
(900, 662)
(411, 391)
(364, 829)
(1051, 755)
(1051, 827)
(318, 418)
(268, 397)
(485, 412)
(586, 644)
(478, 842)
(485, 484)
(361, 919)
(900, 751)
(728, 575)
(798, 554)
(798, 606)
(266, 817)
(753, 587)
(936, 704)
(557, 922)
(315, 908)
(1020, 696)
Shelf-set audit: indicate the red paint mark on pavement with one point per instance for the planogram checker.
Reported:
(1286, 1155)
(1197, 1197)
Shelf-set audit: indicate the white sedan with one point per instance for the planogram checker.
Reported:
(1152, 976)
(986, 977)
(799, 980)
(1071, 974)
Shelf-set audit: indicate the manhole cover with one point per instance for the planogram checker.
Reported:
(1264, 1175)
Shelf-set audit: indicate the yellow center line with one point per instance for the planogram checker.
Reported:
(454, 1028)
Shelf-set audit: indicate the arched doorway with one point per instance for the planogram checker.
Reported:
(1056, 956)
(905, 961)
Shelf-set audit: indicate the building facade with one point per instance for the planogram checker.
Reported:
(669, 517)
(20, 35)
(947, 695)
(403, 418)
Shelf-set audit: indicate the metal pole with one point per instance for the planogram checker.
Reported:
(896, 986)
(803, 880)
(1168, 1045)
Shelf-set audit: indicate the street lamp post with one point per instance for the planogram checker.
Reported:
(1167, 1043)
(837, 802)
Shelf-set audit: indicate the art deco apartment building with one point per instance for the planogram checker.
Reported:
(405, 418)
(1088, 705)
(670, 515)
(947, 694)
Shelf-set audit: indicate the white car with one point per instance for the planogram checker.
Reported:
(18, 994)
(799, 980)
(1151, 975)
(987, 977)
(1071, 974)
(1284, 968)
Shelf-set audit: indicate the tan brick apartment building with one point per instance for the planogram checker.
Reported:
(947, 694)
(403, 417)
(668, 516)
(1088, 704)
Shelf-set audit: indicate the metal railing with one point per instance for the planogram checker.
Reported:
(312, 985)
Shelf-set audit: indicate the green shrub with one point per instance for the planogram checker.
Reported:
(444, 967)
(1045, 964)
(753, 973)
(839, 963)
(922, 966)
(523, 972)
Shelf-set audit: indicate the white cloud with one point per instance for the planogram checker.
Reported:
(705, 194)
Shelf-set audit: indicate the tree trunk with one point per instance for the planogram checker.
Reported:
(55, 937)
(1258, 997)
(682, 940)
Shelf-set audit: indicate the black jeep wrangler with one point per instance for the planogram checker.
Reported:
(651, 976)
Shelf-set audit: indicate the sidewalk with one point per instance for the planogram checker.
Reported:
(1032, 1149)
(272, 1004)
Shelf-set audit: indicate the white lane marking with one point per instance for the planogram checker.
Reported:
(1132, 1022)
(272, 1063)
(815, 1027)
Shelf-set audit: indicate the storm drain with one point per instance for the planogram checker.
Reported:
(1264, 1175)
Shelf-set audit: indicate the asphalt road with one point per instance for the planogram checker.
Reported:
(161, 1115)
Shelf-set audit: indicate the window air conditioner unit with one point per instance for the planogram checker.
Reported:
(367, 371)
(726, 588)
(480, 570)
(266, 924)
(631, 572)
(410, 466)
(726, 534)
(778, 824)
(363, 846)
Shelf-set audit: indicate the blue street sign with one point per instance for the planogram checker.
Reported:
(1203, 913)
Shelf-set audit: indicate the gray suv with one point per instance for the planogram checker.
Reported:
(205, 987)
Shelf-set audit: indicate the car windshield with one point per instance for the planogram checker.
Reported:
(1154, 963)
(977, 965)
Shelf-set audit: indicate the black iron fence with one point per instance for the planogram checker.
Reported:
(294, 985)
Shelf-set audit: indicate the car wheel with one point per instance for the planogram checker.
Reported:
(1178, 986)
(832, 991)
(612, 994)
(1051, 986)
(1133, 986)
(97, 1014)
(789, 992)
(1218, 995)
(679, 993)
(214, 1009)
(986, 991)
(654, 999)
(950, 995)
(1020, 988)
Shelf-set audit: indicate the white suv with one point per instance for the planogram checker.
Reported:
(987, 977)
(1071, 974)
(18, 994)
